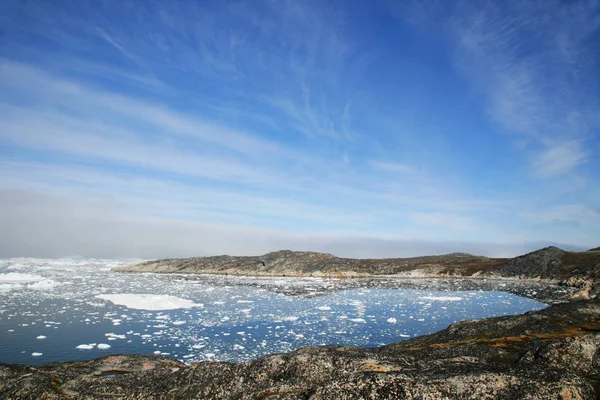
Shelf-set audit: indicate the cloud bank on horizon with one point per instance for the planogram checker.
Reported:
(153, 129)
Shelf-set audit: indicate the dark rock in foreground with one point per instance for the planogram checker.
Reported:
(551, 264)
(548, 354)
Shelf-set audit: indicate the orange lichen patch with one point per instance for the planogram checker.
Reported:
(275, 392)
(147, 366)
(590, 326)
(508, 341)
(374, 366)
(112, 358)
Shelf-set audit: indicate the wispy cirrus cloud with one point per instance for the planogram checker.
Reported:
(302, 120)
(535, 60)
(536, 64)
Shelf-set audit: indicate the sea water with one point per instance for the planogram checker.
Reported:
(78, 309)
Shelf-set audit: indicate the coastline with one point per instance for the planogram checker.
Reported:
(553, 353)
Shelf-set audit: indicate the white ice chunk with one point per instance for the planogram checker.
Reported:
(357, 320)
(41, 337)
(36, 354)
(103, 346)
(86, 346)
(392, 320)
(179, 322)
(324, 308)
(17, 277)
(441, 298)
(148, 301)
(43, 285)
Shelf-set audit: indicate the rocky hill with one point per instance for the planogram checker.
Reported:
(302, 263)
(577, 269)
(548, 354)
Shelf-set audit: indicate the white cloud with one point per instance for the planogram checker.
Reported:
(580, 213)
(559, 159)
(535, 63)
(41, 225)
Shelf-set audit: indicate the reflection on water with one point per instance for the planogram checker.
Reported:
(58, 310)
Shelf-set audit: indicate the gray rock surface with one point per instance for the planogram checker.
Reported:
(547, 354)
(301, 263)
(545, 264)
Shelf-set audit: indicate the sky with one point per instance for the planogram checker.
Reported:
(153, 128)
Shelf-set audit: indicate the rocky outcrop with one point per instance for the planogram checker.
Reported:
(301, 263)
(547, 354)
(543, 264)
(580, 270)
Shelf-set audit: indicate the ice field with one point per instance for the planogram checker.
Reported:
(76, 309)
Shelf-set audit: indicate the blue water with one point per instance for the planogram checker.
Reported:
(227, 321)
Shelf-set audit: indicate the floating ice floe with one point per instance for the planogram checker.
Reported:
(86, 346)
(43, 285)
(392, 320)
(17, 277)
(357, 320)
(36, 354)
(441, 298)
(41, 337)
(151, 302)
(179, 322)
(103, 346)
(324, 308)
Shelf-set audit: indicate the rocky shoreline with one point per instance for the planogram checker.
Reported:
(551, 265)
(553, 353)
(547, 354)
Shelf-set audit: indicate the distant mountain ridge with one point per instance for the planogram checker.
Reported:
(577, 269)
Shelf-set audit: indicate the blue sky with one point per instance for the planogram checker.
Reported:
(362, 128)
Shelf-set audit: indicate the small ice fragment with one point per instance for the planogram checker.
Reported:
(36, 354)
(85, 346)
(441, 298)
(392, 320)
(324, 308)
(41, 337)
(179, 322)
(358, 320)
(103, 346)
